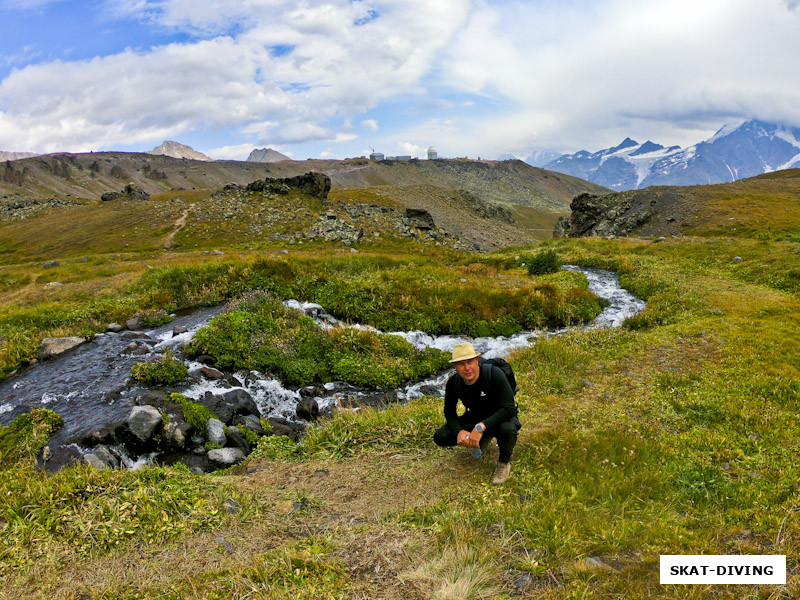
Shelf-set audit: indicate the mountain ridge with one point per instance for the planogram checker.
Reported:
(734, 152)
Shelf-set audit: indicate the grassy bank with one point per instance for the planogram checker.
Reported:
(676, 434)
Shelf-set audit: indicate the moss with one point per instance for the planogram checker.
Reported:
(195, 414)
(26, 435)
(166, 370)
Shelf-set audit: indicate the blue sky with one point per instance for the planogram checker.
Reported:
(335, 78)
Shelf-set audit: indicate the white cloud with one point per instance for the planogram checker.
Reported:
(499, 76)
(335, 69)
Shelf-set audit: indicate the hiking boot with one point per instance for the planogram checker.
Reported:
(501, 473)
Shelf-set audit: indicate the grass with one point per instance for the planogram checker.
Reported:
(675, 434)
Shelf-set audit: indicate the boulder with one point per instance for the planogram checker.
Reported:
(176, 433)
(114, 328)
(134, 323)
(252, 422)
(215, 432)
(144, 422)
(286, 428)
(237, 439)
(233, 402)
(53, 346)
(211, 373)
(223, 458)
(101, 458)
(308, 409)
(420, 218)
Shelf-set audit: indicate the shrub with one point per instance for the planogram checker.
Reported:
(166, 370)
(547, 261)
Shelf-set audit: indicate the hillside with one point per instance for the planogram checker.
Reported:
(485, 204)
(765, 206)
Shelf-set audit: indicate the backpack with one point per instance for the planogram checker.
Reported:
(486, 365)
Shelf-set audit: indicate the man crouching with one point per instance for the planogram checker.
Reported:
(490, 413)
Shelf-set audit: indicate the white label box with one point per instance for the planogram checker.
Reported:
(723, 569)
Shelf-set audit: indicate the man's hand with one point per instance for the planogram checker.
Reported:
(463, 438)
(474, 438)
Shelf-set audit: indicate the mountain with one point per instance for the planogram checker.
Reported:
(266, 155)
(15, 155)
(176, 150)
(734, 152)
(539, 158)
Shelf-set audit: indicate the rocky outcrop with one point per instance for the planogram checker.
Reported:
(312, 183)
(655, 211)
(15, 207)
(129, 192)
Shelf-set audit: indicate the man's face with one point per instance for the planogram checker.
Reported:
(468, 369)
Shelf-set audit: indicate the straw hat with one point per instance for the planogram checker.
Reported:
(463, 351)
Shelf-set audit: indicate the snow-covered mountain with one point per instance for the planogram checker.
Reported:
(734, 152)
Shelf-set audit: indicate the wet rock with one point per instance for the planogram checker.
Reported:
(114, 328)
(211, 373)
(215, 432)
(231, 403)
(207, 360)
(53, 346)
(308, 409)
(102, 458)
(144, 422)
(176, 433)
(286, 428)
(179, 329)
(63, 456)
(223, 458)
(237, 439)
(252, 422)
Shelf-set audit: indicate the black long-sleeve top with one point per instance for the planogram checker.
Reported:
(490, 402)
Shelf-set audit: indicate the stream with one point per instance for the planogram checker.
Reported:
(90, 386)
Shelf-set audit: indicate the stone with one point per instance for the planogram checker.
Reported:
(176, 433)
(53, 284)
(252, 422)
(223, 458)
(308, 409)
(237, 439)
(211, 373)
(215, 432)
(229, 404)
(420, 218)
(54, 346)
(114, 327)
(179, 329)
(134, 323)
(737, 259)
(102, 458)
(144, 421)
(51, 263)
(285, 428)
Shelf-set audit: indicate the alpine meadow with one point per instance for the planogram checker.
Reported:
(676, 433)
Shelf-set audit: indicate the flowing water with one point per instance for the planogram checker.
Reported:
(90, 386)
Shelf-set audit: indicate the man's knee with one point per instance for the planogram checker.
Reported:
(444, 437)
(508, 428)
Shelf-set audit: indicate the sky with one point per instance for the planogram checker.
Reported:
(338, 78)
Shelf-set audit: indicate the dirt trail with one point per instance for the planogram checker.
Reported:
(179, 224)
